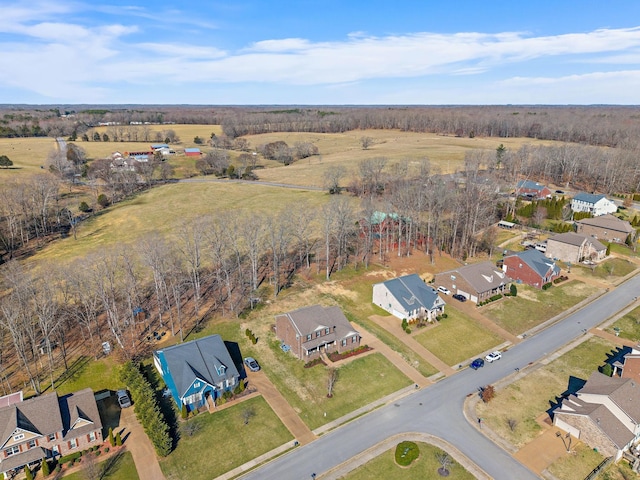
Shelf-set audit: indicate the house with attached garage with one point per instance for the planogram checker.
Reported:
(606, 228)
(45, 427)
(408, 297)
(594, 204)
(477, 282)
(532, 190)
(574, 247)
(309, 331)
(197, 372)
(604, 414)
(530, 267)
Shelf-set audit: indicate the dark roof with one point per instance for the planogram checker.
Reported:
(608, 222)
(483, 276)
(310, 319)
(588, 197)
(411, 292)
(536, 260)
(199, 359)
(530, 185)
(76, 409)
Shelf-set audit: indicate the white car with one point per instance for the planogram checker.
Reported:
(493, 356)
(444, 290)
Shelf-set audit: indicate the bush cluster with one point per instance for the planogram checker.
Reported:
(491, 299)
(147, 408)
(405, 325)
(546, 286)
(314, 362)
(406, 453)
(251, 336)
(561, 278)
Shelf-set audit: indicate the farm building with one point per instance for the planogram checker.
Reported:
(192, 152)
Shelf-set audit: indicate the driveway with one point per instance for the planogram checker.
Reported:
(137, 442)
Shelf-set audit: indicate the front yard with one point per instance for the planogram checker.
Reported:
(532, 306)
(627, 326)
(457, 338)
(204, 454)
(610, 270)
(530, 397)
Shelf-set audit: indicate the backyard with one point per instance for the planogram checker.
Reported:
(532, 306)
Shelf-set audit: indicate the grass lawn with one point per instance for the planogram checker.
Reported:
(384, 467)
(360, 382)
(85, 372)
(122, 469)
(263, 433)
(532, 306)
(449, 331)
(628, 325)
(27, 155)
(578, 466)
(163, 209)
(530, 397)
(611, 269)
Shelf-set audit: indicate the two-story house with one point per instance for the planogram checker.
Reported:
(308, 331)
(606, 228)
(574, 247)
(408, 297)
(47, 426)
(532, 190)
(197, 372)
(596, 205)
(530, 267)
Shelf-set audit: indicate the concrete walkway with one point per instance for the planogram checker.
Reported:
(393, 326)
(281, 407)
(137, 442)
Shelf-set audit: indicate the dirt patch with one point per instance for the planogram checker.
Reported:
(332, 288)
(528, 295)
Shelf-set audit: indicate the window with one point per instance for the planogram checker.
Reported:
(73, 443)
(18, 437)
(354, 339)
(51, 437)
(55, 449)
(92, 436)
(344, 342)
(309, 337)
(12, 451)
(31, 443)
(317, 333)
(326, 331)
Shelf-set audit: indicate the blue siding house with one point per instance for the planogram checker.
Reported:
(197, 372)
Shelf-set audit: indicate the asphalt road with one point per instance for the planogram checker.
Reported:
(438, 409)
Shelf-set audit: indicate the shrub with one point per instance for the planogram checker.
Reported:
(513, 290)
(68, 458)
(118, 439)
(106, 450)
(444, 315)
(112, 441)
(103, 201)
(45, 468)
(28, 474)
(405, 324)
(607, 370)
(84, 207)
(546, 286)
(406, 453)
(184, 413)
(408, 330)
(487, 393)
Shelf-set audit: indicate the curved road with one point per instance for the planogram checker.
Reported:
(438, 409)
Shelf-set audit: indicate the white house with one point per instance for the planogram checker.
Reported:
(596, 205)
(408, 297)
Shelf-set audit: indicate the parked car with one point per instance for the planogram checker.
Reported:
(444, 290)
(559, 191)
(123, 398)
(477, 363)
(493, 356)
(460, 297)
(251, 364)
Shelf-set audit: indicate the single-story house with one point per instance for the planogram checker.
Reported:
(604, 414)
(530, 267)
(192, 152)
(159, 146)
(197, 372)
(596, 205)
(606, 228)
(47, 426)
(408, 297)
(575, 247)
(477, 282)
(533, 190)
(309, 331)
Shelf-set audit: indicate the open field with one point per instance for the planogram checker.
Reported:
(384, 467)
(532, 306)
(263, 433)
(163, 209)
(528, 398)
(27, 155)
(439, 338)
(446, 153)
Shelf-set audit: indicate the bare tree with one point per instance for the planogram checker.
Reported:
(366, 142)
(512, 423)
(332, 177)
(445, 462)
(247, 414)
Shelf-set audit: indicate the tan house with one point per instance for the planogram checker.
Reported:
(312, 330)
(604, 414)
(48, 426)
(477, 282)
(606, 228)
(575, 247)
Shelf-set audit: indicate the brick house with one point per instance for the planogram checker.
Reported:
(309, 331)
(530, 267)
(478, 282)
(575, 247)
(48, 426)
(408, 297)
(533, 190)
(596, 205)
(604, 414)
(606, 228)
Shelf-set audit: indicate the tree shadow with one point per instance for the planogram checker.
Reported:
(111, 464)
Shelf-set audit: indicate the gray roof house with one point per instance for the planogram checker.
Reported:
(309, 331)
(574, 247)
(197, 372)
(477, 282)
(604, 414)
(607, 228)
(48, 426)
(596, 205)
(531, 267)
(408, 297)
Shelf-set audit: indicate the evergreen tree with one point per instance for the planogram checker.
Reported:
(118, 439)
(112, 441)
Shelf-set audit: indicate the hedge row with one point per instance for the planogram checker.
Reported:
(146, 407)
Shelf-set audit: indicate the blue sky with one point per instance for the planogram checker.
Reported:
(320, 52)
